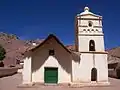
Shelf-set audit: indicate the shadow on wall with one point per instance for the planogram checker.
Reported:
(38, 59)
(63, 57)
(76, 57)
(64, 60)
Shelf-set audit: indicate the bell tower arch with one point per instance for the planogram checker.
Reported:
(90, 43)
(89, 27)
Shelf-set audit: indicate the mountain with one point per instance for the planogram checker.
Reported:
(15, 48)
(114, 55)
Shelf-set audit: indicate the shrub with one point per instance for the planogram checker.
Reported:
(2, 55)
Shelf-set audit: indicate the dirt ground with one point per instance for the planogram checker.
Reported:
(12, 82)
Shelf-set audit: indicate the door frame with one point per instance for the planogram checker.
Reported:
(45, 75)
(94, 74)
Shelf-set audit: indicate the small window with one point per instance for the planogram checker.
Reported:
(91, 45)
(96, 29)
(84, 29)
(90, 24)
(51, 52)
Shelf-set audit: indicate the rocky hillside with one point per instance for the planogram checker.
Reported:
(114, 55)
(16, 47)
(13, 46)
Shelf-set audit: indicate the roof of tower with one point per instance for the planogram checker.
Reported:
(87, 12)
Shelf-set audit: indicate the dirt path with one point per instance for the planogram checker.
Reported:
(11, 83)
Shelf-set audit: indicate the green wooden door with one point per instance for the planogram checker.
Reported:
(51, 75)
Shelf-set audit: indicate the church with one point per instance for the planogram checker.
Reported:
(51, 62)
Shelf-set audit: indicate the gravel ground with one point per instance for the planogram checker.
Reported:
(11, 83)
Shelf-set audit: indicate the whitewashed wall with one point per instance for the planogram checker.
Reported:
(27, 70)
(84, 43)
(82, 70)
(61, 60)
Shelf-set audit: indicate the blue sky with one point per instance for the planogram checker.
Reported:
(31, 19)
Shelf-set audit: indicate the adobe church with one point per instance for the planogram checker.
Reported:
(51, 62)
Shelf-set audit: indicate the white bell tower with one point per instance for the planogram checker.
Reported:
(89, 28)
(90, 43)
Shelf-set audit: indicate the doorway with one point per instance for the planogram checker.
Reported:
(50, 75)
(94, 74)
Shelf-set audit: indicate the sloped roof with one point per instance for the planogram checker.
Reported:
(32, 48)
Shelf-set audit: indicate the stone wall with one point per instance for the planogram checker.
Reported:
(7, 71)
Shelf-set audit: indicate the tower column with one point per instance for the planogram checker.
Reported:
(90, 43)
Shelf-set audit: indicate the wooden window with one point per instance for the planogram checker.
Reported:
(51, 52)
